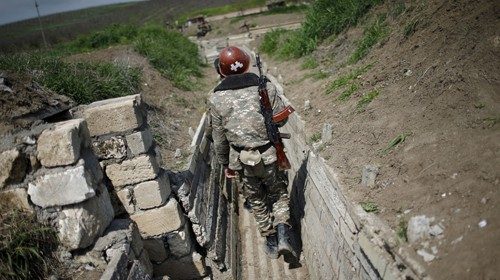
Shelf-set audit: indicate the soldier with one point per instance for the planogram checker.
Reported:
(242, 146)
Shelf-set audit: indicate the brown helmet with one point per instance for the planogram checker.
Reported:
(233, 60)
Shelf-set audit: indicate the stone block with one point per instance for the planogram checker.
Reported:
(189, 267)
(375, 255)
(156, 249)
(153, 193)
(146, 262)
(133, 171)
(119, 233)
(140, 142)
(138, 272)
(12, 167)
(80, 224)
(126, 198)
(64, 186)
(159, 221)
(112, 148)
(61, 145)
(158, 157)
(117, 267)
(114, 115)
(17, 198)
(179, 241)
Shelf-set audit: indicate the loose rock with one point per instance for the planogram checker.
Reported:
(326, 134)
(368, 175)
(428, 257)
(418, 228)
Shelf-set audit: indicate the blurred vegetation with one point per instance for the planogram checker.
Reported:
(84, 82)
(168, 51)
(230, 8)
(26, 246)
(323, 19)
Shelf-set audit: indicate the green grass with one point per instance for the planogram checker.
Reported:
(397, 9)
(346, 79)
(372, 34)
(315, 137)
(346, 94)
(25, 245)
(83, 82)
(394, 142)
(410, 28)
(366, 99)
(370, 207)
(309, 63)
(401, 230)
(170, 53)
(111, 35)
(323, 19)
(271, 40)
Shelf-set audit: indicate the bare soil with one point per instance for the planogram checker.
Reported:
(440, 86)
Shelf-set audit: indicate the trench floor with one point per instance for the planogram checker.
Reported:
(254, 262)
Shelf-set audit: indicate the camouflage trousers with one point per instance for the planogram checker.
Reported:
(265, 188)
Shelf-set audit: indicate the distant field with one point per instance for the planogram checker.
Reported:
(66, 26)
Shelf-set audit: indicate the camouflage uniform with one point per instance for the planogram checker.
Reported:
(238, 125)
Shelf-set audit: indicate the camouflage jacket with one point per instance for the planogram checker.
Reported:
(237, 121)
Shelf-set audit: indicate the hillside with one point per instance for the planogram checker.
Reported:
(401, 100)
(421, 110)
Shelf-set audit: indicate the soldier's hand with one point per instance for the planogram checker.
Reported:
(229, 173)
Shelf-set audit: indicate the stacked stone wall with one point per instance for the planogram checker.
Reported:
(51, 170)
(97, 178)
(139, 187)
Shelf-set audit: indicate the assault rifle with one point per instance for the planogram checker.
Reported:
(272, 121)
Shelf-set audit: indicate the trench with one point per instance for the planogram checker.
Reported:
(336, 238)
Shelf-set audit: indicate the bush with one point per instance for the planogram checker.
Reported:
(25, 245)
(171, 53)
(83, 82)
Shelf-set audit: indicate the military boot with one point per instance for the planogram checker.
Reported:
(285, 248)
(271, 246)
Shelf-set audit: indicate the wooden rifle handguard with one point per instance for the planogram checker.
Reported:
(281, 116)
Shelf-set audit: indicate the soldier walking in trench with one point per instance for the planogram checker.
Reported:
(243, 147)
